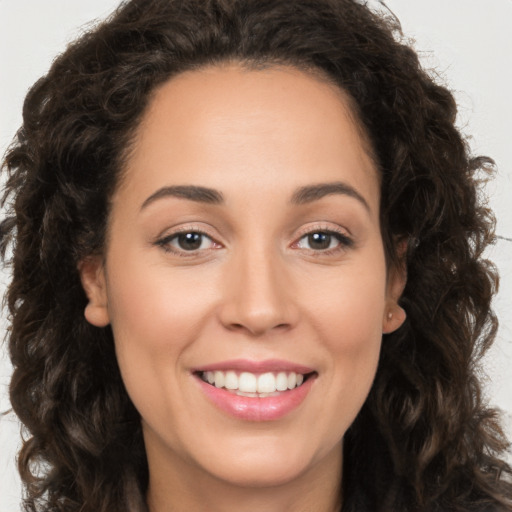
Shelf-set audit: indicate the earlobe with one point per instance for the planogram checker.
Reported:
(394, 314)
(394, 318)
(92, 275)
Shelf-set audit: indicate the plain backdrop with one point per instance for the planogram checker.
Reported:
(467, 42)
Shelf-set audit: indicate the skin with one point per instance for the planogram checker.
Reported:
(255, 289)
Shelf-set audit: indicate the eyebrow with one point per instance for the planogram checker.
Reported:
(303, 195)
(311, 193)
(190, 192)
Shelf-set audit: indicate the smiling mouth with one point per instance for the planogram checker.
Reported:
(254, 385)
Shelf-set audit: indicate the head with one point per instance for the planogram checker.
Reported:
(75, 168)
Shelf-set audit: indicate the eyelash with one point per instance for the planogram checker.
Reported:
(345, 242)
(165, 242)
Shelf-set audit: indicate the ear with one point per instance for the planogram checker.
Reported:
(92, 275)
(394, 314)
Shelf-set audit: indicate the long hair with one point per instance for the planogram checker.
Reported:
(424, 439)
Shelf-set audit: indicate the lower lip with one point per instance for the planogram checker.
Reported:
(254, 408)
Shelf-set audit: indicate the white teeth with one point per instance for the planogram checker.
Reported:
(282, 381)
(247, 383)
(292, 380)
(266, 383)
(231, 380)
(250, 384)
(219, 379)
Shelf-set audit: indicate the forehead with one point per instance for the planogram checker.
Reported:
(228, 126)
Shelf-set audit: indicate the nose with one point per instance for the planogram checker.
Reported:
(258, 295)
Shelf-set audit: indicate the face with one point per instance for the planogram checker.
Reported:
(245, 252)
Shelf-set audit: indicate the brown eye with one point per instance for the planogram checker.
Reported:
(323, 241)
(319, 241)
(188, 241)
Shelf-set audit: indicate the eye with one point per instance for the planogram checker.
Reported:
(323, 241)
(187, 241)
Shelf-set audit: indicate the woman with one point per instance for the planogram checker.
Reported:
(247, 270)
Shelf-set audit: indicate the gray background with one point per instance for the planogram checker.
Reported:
(468, 42)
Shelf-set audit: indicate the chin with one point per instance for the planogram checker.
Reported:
(269, 464)
(259, 472)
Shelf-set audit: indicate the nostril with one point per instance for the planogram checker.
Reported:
(236, 327)
(255, 329)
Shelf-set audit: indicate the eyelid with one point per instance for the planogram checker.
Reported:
(163, 239)
(325, 227)
(345, 237)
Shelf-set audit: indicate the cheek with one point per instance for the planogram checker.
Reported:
(348, 324)
(154, 306)
(155, 317)
(348, 306)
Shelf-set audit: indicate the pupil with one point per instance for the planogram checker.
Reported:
(319, 240)
(190, 241)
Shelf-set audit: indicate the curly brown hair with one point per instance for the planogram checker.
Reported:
(424, 439)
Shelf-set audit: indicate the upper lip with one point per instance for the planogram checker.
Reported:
(247, 365)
